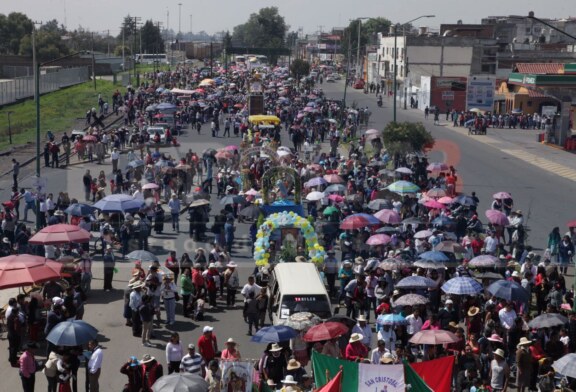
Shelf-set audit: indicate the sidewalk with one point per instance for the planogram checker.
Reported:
(522, 144)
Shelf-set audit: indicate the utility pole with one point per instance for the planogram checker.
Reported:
(93, 63)
(179, 20)
(9, 127)
(191, 27)
(37, 103)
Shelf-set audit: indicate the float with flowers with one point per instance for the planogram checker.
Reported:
(286, 219)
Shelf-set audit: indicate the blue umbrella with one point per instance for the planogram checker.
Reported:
(316, 181)
(72, 333)
(433, 255)
(118, 203)
(79, 209)
(415, 282)
(274, 334)
(165, 106)
(335, 188)
(370, 218)
(462, 286)
(509, 290)
(464, 200)
(391, 319)
(442, 221)
(135, 163)
(142, 255)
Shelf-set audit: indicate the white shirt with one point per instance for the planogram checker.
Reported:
(507, 318)
(389, 337)
(366, 332)
(490, 244)
(115, 155)
(95, 362)
(414, 324)
(248, 288)
(174, 352)
(376, 355)
(50, 251)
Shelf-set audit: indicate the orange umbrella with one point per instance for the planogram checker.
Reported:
(26, 270)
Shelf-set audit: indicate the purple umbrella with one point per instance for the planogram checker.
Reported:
(316, 181)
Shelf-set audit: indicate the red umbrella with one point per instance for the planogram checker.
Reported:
(26, 270)
(445, 200)
(357, 221)
(388, 216)
(325, 331)
(379, 239)
(333, 179)
(497, 218)
(571, 224)
(60, 234)
(432, 336)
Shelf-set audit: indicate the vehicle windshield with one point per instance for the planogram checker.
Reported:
(317, 304)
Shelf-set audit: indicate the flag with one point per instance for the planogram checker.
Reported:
(359, 377)
(334, 385)
(237, 375)
(413, 381)
(439, 381)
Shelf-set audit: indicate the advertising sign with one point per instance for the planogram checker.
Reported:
(480, 93)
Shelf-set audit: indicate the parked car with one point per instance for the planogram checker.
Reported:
(358, 84)
(335, 75)
(330, 79)
(151, 131)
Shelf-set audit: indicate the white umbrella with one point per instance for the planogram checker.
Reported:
(315, 196)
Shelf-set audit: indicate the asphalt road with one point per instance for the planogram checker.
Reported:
(544, 198)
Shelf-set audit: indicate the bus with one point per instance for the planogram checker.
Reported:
(157, 58)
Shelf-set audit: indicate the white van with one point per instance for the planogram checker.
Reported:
(296, 287)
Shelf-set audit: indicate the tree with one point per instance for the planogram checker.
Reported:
(368, 31)
(152, 41)
(266, 29)
(299, 68)
(13, 28)
(49, 45)
(406, 137)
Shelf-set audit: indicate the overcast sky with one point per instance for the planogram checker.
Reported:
(311, 15)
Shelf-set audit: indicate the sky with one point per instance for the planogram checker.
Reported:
(310, 15)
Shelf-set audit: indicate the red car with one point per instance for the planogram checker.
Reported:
(358, 84)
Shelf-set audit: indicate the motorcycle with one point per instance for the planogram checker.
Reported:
(379, 103)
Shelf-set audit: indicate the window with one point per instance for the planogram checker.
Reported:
(528, 30)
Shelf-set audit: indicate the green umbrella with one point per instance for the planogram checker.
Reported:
(330, 210)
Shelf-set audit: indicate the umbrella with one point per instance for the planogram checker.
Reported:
(165, 106)
(548, 320)
(449, 246)
(79, 209)
(336, 198)
(372, 132)
(502, 195)
(441, 220)
(423, 234)
(72, 333)
(135, 164)
(571, 224)
(497, 218)
(316, 181)
(209, 151)
(357, 221)
(393, 264)
(387, 230)
(412, 221)
(26, 270)
(60, 234)
(509, 290)
(566, 365)
(252, 192)
(433, 255)
(488, 275)
(339, 318)
(380, 204)
(90, 139)
(378, 239)
(415, 282)
(377, 164)
(333, 178)
(274, 334)
(436, 192)
(180, 382)
(150, 185)
(403, 170)
(403, 187)
(251, 212)
(232, 199)
(199, 203)
(464, 200)
(118, 203)
(462, 285)
(484, 261)
(142, 255)
(434, 204)
(183, 166)
(315, 196)
(325, 331)
(150, 108)
(335, 188)
(428, 264)
(388, 216)
(224, 154)
(301, 321)
(391, 319)
(436, 167)
(231, 148)
(434, 336)
(330, 210)
(411, 300)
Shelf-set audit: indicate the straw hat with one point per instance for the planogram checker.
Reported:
(495, 338)
(387, 358)
(524, 342)
(500, 353)
(147, 358)
(230, 341)
(293, 364)
(355, 337)
(289, 380)
(275, 347)
(473, 311)
(361, 318)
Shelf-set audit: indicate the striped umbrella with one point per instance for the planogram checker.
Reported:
(415, 282)
(393, 264)
(403, 187)
(462, 285)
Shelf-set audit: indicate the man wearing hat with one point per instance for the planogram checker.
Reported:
(133, 371)
(499, 371)
(207, 344)
(109, 264)
(151, 371)
(174, 206)
(363, 329)
(290, 385)
(274, 366)
(193, 362)
(447, 314)
(356, 350)
(134, 303)
(523, 364)
(295, 370)
(232, 282)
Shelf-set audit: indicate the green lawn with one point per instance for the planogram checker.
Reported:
(59, 111)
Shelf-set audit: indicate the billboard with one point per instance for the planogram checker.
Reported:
(480, 93)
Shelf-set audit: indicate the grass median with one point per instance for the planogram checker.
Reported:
(59, 111)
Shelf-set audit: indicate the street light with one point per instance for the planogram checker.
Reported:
(348, 55)
(396, 56)
(179, 20)
(358, 49)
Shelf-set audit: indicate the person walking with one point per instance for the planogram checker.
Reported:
(135, 303)
(168, 292)
(232, 282)
(87, 182)
(28, 367)
(146, 313)
(499, 372)
(109, 265)
(94, 365)
(174, 353)
(187, 291)
(193, 362)
(15, 172)
(115, 157)
(174, 206)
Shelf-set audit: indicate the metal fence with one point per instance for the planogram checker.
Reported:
(13, 90)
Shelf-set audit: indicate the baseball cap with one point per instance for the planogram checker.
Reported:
(207, 329)
(191, 346)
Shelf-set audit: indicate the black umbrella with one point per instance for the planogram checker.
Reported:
(347, 321)
(548, 320)
(251, 212)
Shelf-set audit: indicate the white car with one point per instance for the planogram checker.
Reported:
(330, 79)
(152, 133)
(334, 75)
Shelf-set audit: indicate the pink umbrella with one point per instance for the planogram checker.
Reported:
(252, 192)
(378, 239)
(336, 198)
(333, 178)
(223, 154)
(502, 195)
(231, 148)
(434, 204)
(436, 193)
(437, 167)
(445, 200)
(433, 337)
(423, 234)
(497, 218)
(150, 185)
(60, 234)
(388, 216)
